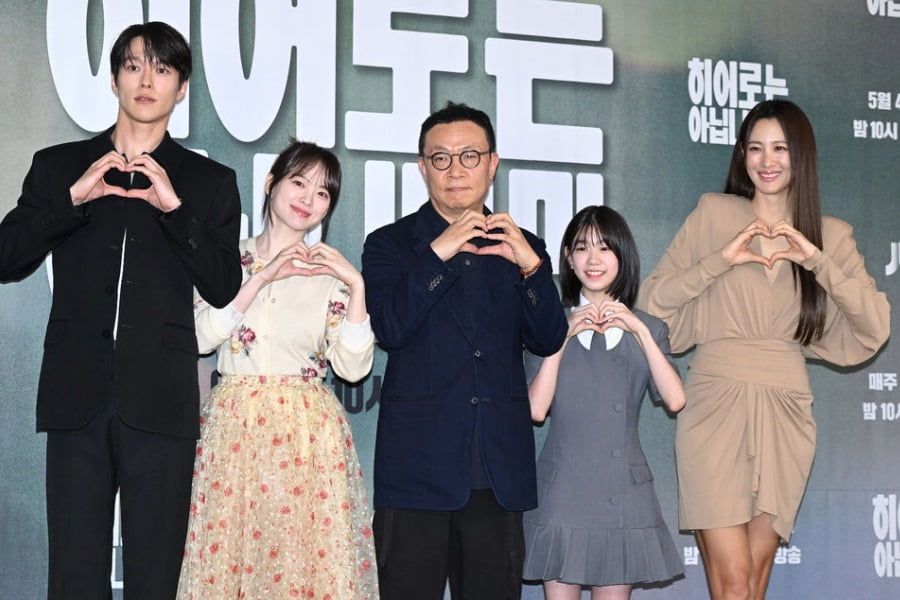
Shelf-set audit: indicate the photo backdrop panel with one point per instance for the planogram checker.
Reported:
(634, 105)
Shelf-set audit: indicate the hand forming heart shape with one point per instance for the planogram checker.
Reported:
(141, 177)
(126, 180)
(738, 250)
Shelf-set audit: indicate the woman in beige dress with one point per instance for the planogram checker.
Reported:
(758, 280)
(279, 507)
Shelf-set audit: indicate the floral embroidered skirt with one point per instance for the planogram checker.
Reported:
(279, 506)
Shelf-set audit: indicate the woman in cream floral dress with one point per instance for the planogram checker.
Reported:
(279, 508)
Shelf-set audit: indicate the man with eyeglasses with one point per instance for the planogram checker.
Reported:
(455, 292)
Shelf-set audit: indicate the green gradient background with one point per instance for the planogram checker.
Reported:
(831, 52)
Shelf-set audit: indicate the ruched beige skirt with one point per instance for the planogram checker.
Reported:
(746, 439)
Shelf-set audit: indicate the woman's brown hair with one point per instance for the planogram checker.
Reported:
(803, 199)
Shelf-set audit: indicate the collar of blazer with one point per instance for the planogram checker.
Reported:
(169, 154)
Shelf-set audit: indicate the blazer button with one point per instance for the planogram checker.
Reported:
(477, 353)
(110, 288)
(435, 281)
(474, 400)
(106, 333)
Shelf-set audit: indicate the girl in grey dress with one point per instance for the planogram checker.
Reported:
(598, 522)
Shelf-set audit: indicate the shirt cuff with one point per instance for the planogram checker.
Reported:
(225, 319)
(356, 335)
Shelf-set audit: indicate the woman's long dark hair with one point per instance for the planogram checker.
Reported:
(613, 230)
(803, 199)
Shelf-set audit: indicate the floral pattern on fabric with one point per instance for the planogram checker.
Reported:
(337, 309)
(296, 321)
(251, 265)
(242, 340)
(279, 508)
(318, 359)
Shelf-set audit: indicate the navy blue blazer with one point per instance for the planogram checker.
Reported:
(152, 365)
(445, 371)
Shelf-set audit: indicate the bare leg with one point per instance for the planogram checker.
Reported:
(763, 546)
(611, 592)
(557, 590)
(738, 559)
(726, 556)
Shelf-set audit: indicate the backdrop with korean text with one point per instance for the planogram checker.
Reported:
(631, 104)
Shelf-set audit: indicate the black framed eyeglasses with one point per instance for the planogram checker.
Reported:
(467, 158)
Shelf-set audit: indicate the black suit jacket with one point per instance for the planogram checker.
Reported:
(152, 362)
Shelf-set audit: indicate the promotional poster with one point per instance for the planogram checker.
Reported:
(634, 104)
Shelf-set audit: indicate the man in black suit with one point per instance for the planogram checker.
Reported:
(135, 222)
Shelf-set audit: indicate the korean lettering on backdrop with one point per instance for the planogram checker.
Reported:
(247, 100)
(884, 8)
(886, 527)
(247, 104)
(882, 103)
(535, 39)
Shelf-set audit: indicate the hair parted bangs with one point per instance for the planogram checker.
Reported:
(298, 159)
(611, 228)
(162, 45)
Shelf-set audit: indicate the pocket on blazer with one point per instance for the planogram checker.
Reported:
(412, 403)
(640, 473)
(180, 338)
(412, 427)
(56, 332)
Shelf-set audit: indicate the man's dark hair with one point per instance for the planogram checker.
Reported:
(453, 113)
(162, 45)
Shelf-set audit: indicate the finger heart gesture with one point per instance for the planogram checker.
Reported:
(95, 182)
(616, 314)
(584, 318)
(326, 260)
(159, 193)
(799, 247)
(513, 246)
(285, 263)
(738, 250)
(457, 237)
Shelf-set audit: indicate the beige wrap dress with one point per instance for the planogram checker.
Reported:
(746, 438)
